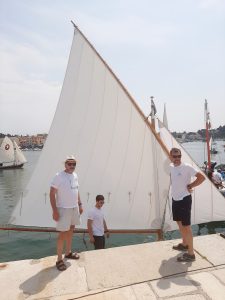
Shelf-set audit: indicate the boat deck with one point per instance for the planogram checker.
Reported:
(144, 271)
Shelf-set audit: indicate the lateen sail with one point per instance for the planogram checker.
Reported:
(6, 151)
(10, 154)
(19, 157)
(118, 154)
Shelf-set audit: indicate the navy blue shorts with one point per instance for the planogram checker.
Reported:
(99, 242)
(182, 210)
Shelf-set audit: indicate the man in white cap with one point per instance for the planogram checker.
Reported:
(66, 209)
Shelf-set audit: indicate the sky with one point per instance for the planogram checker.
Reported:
(173, 50)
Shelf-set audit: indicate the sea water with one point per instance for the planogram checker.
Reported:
(25, 245)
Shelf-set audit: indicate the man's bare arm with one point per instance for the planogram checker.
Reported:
(106, 229)
(90, 232)
(199, 179)
(55, 213)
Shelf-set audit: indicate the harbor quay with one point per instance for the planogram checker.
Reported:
(143, 271)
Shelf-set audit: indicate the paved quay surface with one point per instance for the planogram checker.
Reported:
(145, 271)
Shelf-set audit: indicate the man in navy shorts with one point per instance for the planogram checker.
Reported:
(181, 175)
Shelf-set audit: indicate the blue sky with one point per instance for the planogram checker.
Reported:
(170, 49)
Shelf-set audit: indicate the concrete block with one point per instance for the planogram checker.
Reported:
(206, 246)
(173, 286)
(210, 285)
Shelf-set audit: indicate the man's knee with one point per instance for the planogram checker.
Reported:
(62, 235)
(186, 228)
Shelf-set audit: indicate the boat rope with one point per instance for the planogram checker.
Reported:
(167, 203)
(84, 241)
(21, 203)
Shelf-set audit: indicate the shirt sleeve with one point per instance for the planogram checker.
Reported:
(55, 181)
(91, 215)
(192, 170)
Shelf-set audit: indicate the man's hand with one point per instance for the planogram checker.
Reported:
(189, 188)
(80, 209)
(107, 234)
(92, 240)
(55, 215)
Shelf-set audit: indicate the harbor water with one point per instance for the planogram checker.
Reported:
(25, 245)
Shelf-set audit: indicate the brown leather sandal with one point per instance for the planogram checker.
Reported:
(71, 255)
(186, 258)
(60, 265)
(180, 247)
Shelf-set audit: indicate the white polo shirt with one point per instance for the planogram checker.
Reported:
(180, 177)
(67, 189)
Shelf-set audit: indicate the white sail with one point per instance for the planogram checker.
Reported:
(117, 153)
(208, 203)
(10, 154)
(7, 157)
(6, 151)
(18, 155)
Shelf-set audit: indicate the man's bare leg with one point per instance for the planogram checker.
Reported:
(69, 239)
(187, 233)
(184, 240)
(60, 244)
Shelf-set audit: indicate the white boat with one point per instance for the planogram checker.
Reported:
(11, 157)
(119, 154)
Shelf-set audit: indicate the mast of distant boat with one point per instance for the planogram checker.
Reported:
(207, 127)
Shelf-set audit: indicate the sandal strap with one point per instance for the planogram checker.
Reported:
(180, 247)
(74, 255)
(186, 258)
(60, 265)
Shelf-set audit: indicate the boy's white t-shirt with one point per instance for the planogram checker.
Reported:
(97, 216)
(67, 189)
(180, 177)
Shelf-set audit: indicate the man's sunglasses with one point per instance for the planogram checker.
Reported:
(71, 164)
(176, 156)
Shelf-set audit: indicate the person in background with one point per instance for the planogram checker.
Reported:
(96, 224)
(66, 209)
(181, 175)
(217, 178)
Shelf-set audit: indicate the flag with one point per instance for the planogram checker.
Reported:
(207, 116)
(153, 108)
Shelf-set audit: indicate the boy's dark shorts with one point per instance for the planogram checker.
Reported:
(182, 210)
(99, 242)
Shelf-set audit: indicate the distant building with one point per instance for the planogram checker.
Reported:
(32, 141)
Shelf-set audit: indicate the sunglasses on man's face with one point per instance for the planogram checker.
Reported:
(176, 156)
(71, 164)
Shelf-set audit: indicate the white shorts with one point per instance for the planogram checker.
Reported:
(67, 218)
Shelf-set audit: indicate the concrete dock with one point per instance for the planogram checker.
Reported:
(144, 271)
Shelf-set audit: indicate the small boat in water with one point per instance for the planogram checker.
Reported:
(213, 151)
(11, 157)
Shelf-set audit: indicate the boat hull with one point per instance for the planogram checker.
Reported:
(11, 167)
